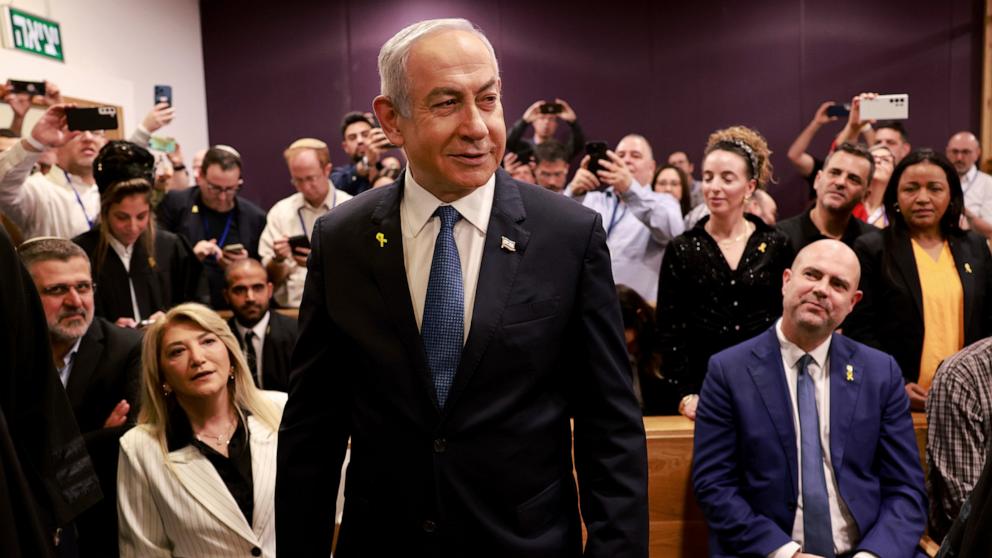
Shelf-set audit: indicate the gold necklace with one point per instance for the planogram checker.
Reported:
(223, 439)
(738, 238)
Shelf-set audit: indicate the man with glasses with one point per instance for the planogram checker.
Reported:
(551, 165)
(99, 365)
(222, 226)
(285, 242)
(963, 150)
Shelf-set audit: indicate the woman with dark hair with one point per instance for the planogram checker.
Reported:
(721, 281)
(656, 394)
(925, 281)
(669, 179)
(140, 271)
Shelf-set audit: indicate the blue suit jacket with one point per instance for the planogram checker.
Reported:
(745, 464)
(490, 473)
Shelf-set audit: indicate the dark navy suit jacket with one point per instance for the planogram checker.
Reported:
(745, 465)
(490, 474)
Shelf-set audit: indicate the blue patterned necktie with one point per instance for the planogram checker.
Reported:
(443, 325)
(817, 533)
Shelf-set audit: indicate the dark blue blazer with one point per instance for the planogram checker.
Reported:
(745, 464)
(179, 213)
(490, 474)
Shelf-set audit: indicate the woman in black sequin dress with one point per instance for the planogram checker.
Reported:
(721, 281)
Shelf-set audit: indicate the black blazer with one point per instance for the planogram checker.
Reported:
(179, 212)
(106, 369)
(890, 315)
(490, 474)
(277, 350)
(177, 276)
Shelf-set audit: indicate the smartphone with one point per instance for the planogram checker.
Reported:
(596, 150)
(839, 110)
(91, 118)
(552, 108)
(165, 145)
(375, 124)
(30, 87)
(298, 241)
(234, 248)
(886, 107)
(163, 94)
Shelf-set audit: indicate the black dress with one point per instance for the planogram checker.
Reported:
(171, 277)
(705, 307)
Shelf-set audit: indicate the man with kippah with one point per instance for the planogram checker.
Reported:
(309, 165)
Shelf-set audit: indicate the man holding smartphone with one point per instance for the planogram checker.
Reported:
(285, 242)
(543, 116)
(364, 144)
(221, 225)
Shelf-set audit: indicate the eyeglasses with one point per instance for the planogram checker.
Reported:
(549, 174)
(224, 190)
(62, 289)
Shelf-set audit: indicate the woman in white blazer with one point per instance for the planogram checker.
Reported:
(196, 477)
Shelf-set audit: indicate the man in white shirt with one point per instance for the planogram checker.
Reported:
(309, 165)
(639, 222)
(804, 445)
(963, 150)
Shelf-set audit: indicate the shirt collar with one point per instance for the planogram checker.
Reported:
(474, 208)
(791, 352)
(258, 329)
(118, 246)
(327, 204)
(71, 355)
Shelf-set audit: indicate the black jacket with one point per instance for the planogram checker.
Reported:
(277, 350)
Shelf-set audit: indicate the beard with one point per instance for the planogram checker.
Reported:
(70, 332)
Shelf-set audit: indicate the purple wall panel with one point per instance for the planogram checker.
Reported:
(674, 71)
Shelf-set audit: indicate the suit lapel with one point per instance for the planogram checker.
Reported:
(496, 277)
(87, 360)
(204, 485)
(769, 377)
(846, 376)
(902, 253)
(263, 473)
(389, 270)
(965, 266)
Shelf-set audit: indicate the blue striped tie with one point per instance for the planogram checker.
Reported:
(443, 325)
(817, 534)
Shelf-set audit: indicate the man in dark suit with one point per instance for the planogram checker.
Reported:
(99, 365)
(266, 337)
(804, 444)
(221, 226)
(452, 324)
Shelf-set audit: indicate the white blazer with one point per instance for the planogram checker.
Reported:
(177, 504)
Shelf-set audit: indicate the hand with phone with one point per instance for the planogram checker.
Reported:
(567, 113)
(377, 144)
(855, 125)
(613, 171)
(161, 115)
(300, 245)
(231, 253)
(584, 180)
(207, 249)
(52, 129)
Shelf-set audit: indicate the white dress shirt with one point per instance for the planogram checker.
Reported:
(845, 529)
(41, 207)
(124, 253)
(420, 230)
(977, 187)
(258, 342)
(293, 216)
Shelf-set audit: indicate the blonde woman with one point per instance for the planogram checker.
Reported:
(721, 281)
(196, 477)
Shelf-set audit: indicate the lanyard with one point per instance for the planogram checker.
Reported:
(613, 218)
(79, 200)
(965, 188)
(299, 211)
(227, 228)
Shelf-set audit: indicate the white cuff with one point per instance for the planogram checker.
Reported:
(787, 550)
(37, 145)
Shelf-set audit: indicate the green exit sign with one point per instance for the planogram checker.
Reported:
(30, 33)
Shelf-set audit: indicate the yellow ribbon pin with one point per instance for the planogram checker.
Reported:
(967, 267)
(381, 238)
(196, 209)
(850, 373)
(761, 247)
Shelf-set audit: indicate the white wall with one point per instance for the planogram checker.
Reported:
(115, 52)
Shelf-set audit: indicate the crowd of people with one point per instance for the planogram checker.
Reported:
(806, 340)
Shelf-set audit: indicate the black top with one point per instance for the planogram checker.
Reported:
(705, 307)
(234, 470)
(215, 223)
(802, 231)
(574, 145)
(811, 178)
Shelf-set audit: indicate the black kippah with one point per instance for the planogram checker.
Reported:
(122, 160)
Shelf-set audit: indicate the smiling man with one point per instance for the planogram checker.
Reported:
(452, 324)
(840, 186)
(804, 445)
